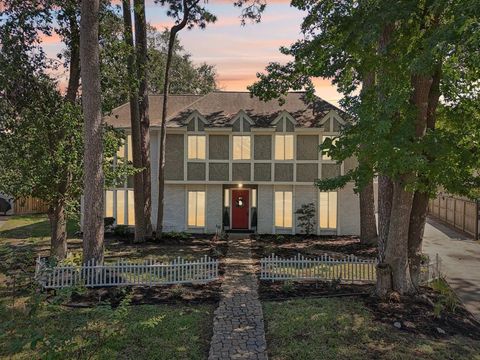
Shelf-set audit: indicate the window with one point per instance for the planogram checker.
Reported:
(283, 209)
(226, 198)
(129, 148)
(120, 207)
(325, 156)
(283, 147)
(254, 198)
(196, 147)
(109, 203)
(241, 148)
(196, 208)
(328, 210)
(131, 208)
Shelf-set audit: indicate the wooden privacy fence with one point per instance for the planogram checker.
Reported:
(460, 213)
(123, 273)
(29, 205)
(347, 269)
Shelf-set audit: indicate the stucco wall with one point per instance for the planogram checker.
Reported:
(218, 147)
(195, 171)
(262, 147)
(214, 207)
(307, 172)
(330, 170)
(174, 157)
(348, 211)
(241, 172)
(218, 171)
(265, 209)
(262, 172)
(283, 172)
(175, 208)
(307, 147)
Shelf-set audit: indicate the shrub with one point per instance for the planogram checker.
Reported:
(306, 218)
(123, 232)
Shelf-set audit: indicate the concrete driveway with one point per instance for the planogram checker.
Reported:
(460, 261)
(3, 220)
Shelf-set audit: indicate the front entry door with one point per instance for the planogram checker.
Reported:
(240, 208)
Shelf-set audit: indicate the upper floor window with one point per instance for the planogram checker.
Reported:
(196, 147)
(241, 148)
(326, 156)
(283, 147)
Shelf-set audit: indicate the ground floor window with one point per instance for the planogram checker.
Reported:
(196, 208)
(328, 210)
(120, 204)
(283, 209)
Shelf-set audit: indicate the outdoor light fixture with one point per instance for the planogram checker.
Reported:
(240, 185)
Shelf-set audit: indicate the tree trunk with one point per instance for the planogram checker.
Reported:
(138, 183)
(93, 230)
(143, 107)
(58, 227)
(396, 250)
(74, 71)
(163, 132)
(385, 198)
(368, 223)
(418, 216)
(416, 228)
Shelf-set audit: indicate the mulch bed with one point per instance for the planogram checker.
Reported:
(313, 245)
(280, 290)
(169, 294)
(416, 315)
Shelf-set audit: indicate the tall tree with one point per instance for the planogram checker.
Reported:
(142, 73)
(138, 179)
(391, 131)
(188, 14)
(93, 246)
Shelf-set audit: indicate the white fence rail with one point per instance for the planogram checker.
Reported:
(325, 267)
(123, 273)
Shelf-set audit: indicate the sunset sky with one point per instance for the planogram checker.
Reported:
(238, 52)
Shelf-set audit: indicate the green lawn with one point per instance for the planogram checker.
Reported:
(345, 329)
(57, 332)
(134, 332)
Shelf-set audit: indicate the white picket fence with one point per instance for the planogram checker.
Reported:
(322, 267)
(325, 267)
(123, 273)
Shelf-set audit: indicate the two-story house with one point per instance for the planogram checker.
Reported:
(247, 164)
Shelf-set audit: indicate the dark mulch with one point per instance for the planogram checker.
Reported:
(169, 294)
(416, 315)
(280, 290)
(312, 245)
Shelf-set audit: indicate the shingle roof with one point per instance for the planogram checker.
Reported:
(220, 107)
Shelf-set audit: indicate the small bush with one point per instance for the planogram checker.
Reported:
(174, 235)
(306, 218)
(123, 232)
(280, 238)
(287, 286)
(447, 300)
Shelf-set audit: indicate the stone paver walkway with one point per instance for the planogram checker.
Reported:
(460, 261)
(238, 329)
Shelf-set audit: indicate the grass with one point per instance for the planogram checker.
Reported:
(344, 329)
(141, 332)
(31, 328)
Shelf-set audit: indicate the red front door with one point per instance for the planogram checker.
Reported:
(240, 206)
